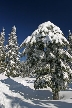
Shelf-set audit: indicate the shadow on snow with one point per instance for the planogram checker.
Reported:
(39, 97)
(18, 103)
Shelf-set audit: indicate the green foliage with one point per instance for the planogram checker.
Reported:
(55, 70)
(8, 74)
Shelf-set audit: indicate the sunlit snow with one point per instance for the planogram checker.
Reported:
(20, 93)
(50, 33)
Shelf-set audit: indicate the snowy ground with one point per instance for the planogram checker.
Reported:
(19, 93)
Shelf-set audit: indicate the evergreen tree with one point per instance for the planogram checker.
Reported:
(23, 69)
(12, 55)
(69, 49)
(2, 51)
(46, 54)
(70, 45)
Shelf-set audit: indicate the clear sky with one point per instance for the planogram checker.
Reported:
(26, 15)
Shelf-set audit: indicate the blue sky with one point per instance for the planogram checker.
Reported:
(28, 14)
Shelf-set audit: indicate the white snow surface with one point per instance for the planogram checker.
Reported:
(19, 93)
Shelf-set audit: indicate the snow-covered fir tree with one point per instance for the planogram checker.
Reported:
(28, 54)
(2, 51)
(46, 54)
(12, 55)
(70, 46)
(23, 69)
(70, 42)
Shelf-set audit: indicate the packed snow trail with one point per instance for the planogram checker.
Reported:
(19, 93)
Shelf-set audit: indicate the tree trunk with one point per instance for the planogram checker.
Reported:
(56, 96)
